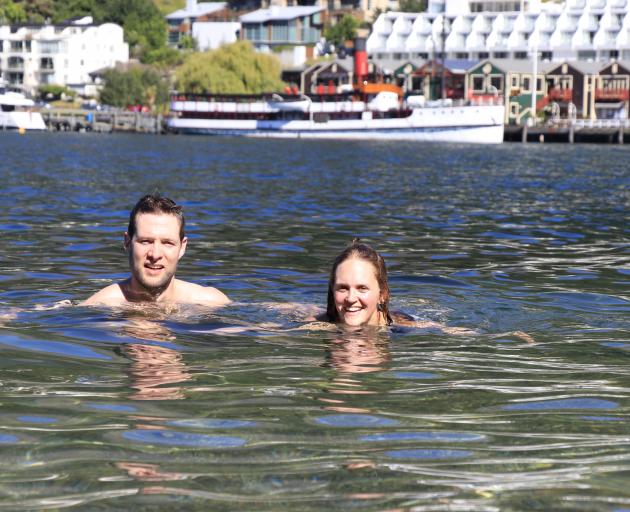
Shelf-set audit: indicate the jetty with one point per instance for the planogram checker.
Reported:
(606, 131)
(79, 120)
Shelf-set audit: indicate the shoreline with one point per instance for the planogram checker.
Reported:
(79, 120)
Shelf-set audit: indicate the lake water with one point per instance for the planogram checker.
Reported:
(136, 410)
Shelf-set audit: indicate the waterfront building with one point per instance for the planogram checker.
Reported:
(575, 30)
(282, 26)
(64, 54)
(211, 24)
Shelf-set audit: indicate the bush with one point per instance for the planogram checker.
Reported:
(139, 85)
(55, 93)
(231, 69)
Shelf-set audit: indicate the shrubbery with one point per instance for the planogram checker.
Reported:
(231, 69)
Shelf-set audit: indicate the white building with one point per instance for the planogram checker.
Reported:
(208, 23)
(59, 54)
(587, 30)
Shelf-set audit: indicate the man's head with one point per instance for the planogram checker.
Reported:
(155, 203)
(155, 242)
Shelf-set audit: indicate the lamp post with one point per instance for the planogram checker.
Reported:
(534, 78)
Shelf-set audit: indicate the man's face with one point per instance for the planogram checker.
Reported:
(154, 250)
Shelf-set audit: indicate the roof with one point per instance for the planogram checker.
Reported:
(584, 67)
(520, 65)
(197, 10)
(279, 13)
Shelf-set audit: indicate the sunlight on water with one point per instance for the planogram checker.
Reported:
(206, 410)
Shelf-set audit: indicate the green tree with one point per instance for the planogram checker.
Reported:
(55, 92)
(412, 5)
(66, 9)
(38, 11)
(10, 12)
(231, 69)
(144, 25)
(346, 28)
(139, 85)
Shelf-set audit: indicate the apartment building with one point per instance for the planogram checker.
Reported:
(580, 30)
(31, 56)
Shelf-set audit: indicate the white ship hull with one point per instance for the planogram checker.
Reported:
(471, 124)
(21, 120)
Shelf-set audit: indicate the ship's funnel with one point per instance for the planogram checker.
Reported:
(360, 61)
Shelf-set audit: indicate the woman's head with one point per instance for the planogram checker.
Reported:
(358, 293)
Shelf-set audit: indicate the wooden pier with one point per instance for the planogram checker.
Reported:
(606, 131)
(103, 121)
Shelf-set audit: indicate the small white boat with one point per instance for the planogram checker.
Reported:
(17, 112)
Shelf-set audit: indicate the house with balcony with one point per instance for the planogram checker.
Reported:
(572, 86)
(65, 54)
(282, 26)
(510, 81)
(209, 23)
(612, 94)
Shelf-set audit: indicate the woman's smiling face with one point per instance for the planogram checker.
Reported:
(357, 293)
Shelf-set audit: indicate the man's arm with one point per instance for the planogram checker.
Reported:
(197, 294)
(111, 295)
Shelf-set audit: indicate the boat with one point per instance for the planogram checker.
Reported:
(17, 112)
(384, 116)
(365, 111)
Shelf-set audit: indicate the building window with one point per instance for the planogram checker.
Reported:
(513, 109)
(461, 55)
(16, 46)
(514, 82)
(520, 55)
(526, 83)
(15, 63)
(478, 83)
(496, 83)
(500, 55)
(539, 84)
(483, 55)
(546, 55)
(48, 47)
(46, 63)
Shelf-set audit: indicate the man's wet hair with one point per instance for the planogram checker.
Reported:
(155, 203)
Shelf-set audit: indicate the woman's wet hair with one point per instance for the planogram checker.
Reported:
(155, 203)
(359, 250)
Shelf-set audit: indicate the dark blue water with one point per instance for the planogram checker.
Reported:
(204, 410)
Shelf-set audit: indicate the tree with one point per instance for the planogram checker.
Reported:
(144, 25)
(10, 12)
(412, 5)
(139, 85)
(66, 9)
(346, 28)
(53, 92)
(231, 69)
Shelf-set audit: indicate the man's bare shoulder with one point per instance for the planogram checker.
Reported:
(111, 295)
(196, 294)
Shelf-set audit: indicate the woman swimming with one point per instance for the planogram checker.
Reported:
(359, 295)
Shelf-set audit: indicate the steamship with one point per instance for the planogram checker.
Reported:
(366, 111)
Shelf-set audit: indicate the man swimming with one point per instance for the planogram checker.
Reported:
(155, 242)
